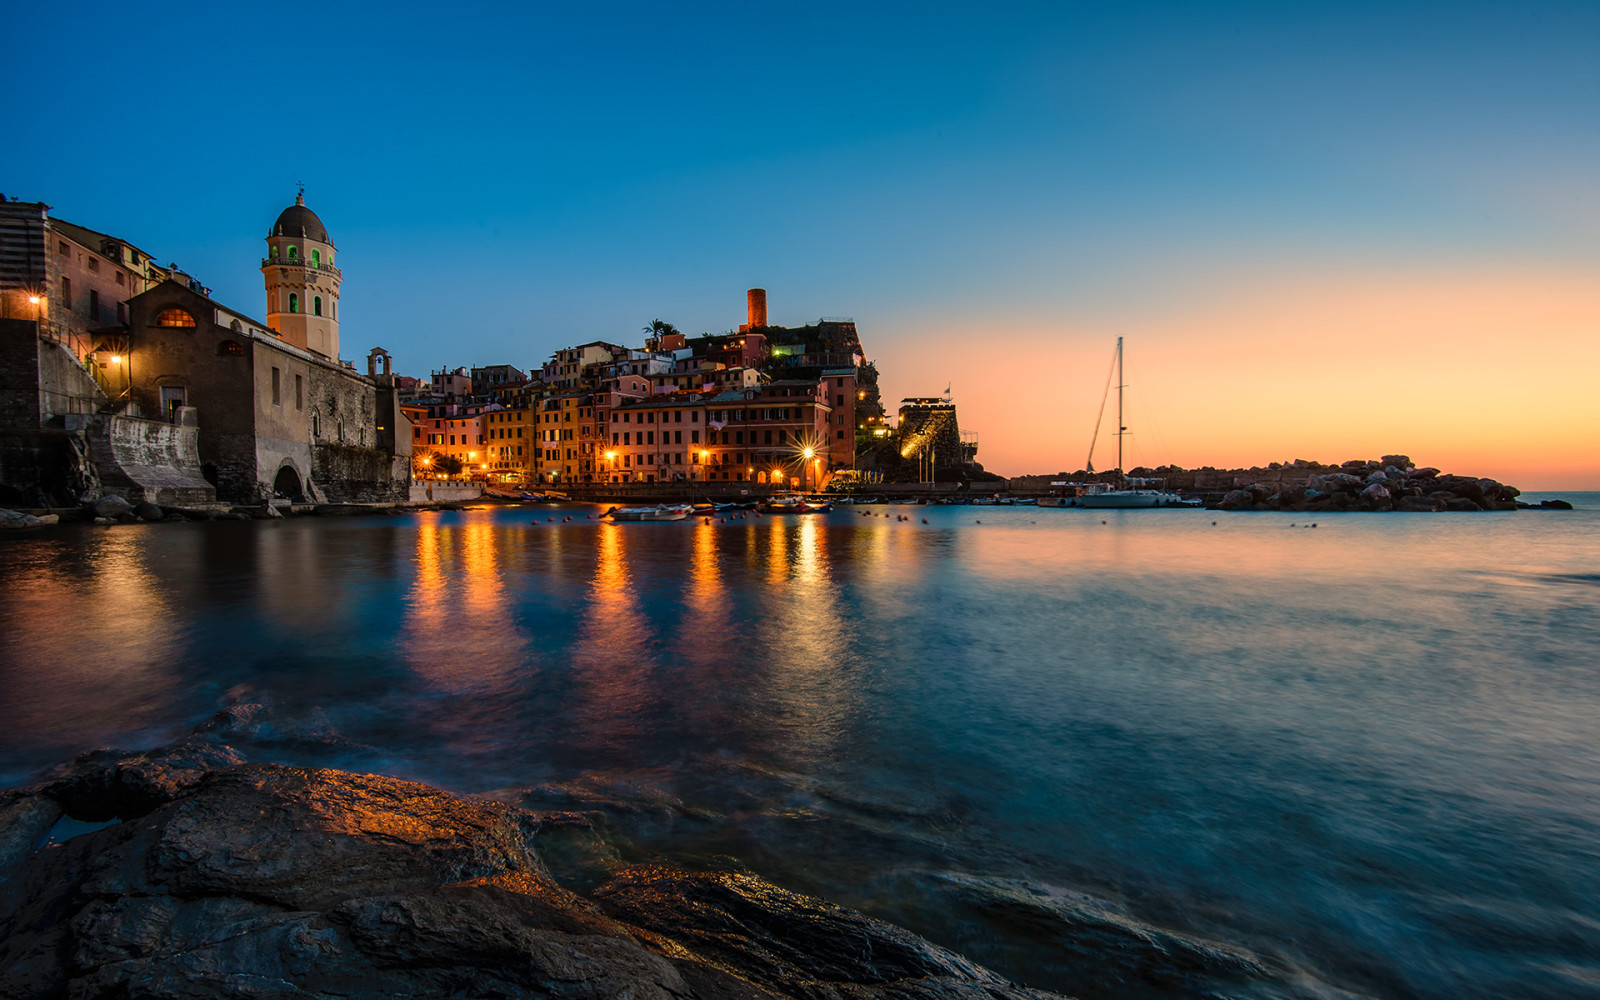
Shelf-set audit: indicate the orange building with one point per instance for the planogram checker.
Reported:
(776, 433)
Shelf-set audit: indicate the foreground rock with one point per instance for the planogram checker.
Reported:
(225, 878)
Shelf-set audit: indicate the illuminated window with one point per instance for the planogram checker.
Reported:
(294, 302)
(316, 257)
(294, 253)
(316, 305)
(231, 347)
(174, 317)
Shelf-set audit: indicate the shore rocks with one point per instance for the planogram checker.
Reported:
(112, 507)
(225, 878)
(11, 520)
(1390, 484)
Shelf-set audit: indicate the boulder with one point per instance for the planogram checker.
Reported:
(1378, 497)
(1461, 504)
(148, 511)
(1554, 505)
(232, 879)
(16, 520)
(1377, 476)
(112, 506)
(1398, 461)
(1237, 500)
(1420, 504)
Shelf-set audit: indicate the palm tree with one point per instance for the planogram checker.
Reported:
(658, 329)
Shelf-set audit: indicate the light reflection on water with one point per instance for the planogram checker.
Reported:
(1368, 748)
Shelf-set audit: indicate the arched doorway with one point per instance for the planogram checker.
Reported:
(288, 485)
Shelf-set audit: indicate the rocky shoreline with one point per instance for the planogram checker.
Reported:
(1392, 483)
(116, 510)
(191, 871)
(205, 876)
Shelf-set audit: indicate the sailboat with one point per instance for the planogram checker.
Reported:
(1129, 492)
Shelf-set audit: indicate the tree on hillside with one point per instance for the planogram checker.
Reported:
(656, 329)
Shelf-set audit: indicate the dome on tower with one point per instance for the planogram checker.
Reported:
(298, 220)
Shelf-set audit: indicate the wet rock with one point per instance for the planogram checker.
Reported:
(782, 940)
(24, 819)
(1554, 505)
(191, 513)
(1460, 504)
(107, 784)
(149, 512)
(104, 520)
(112, 506)
(1398, 461)
(1378, 496)
(11, 520)
(270, 881)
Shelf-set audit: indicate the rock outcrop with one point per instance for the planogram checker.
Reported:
(1390, 484)
(210, 876)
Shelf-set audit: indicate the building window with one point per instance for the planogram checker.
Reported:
(316, 424)
(294, 253)
(316, 305)
(120, 279)
(230, 348)
(294, 302)
(316, 258)
(63, 248)
(277, 389)
(174, 317)
(299, 394)
(94, 305)
(66, 293)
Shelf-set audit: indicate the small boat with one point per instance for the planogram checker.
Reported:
(792, 504)
(660, 512)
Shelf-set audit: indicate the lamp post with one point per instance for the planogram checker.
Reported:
(806, 474)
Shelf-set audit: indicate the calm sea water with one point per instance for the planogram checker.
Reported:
(1364, 753)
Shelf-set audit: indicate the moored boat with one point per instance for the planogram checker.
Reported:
(793, 504)
(660, 512)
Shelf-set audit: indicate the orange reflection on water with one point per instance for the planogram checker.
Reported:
(459, 601)
(611, 659)
(117, 606)
(807, 640)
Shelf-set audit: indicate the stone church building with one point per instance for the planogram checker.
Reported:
(189, 400)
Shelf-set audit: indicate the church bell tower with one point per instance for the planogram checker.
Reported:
(302, 283)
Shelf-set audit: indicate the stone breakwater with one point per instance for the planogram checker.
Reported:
(1392, 483)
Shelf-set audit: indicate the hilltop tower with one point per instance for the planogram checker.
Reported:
(302, 283)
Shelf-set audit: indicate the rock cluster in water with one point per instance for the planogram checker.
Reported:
(220, 877)
(1392, 483)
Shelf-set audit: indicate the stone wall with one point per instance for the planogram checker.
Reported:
(19, 373)
(352, 474)
(150, 460)
(444, 492)
(65, 387)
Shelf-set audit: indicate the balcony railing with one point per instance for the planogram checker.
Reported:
(305, 262)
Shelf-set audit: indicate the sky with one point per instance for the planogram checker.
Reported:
(1325, 231)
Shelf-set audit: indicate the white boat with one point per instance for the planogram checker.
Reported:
(660, 512)
(1130, 492)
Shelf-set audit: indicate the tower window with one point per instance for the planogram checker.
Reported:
(294, 302)
(316, 257)
(294, 253)
(316, 304)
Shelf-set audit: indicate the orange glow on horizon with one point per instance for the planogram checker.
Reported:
(1486, 373)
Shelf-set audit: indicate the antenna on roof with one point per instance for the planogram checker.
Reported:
(300, 199)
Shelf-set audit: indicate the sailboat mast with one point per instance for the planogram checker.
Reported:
(1120, 428)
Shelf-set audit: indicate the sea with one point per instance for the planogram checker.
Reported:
(1140, 753)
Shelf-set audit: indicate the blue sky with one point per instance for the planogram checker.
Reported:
(505, 180)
